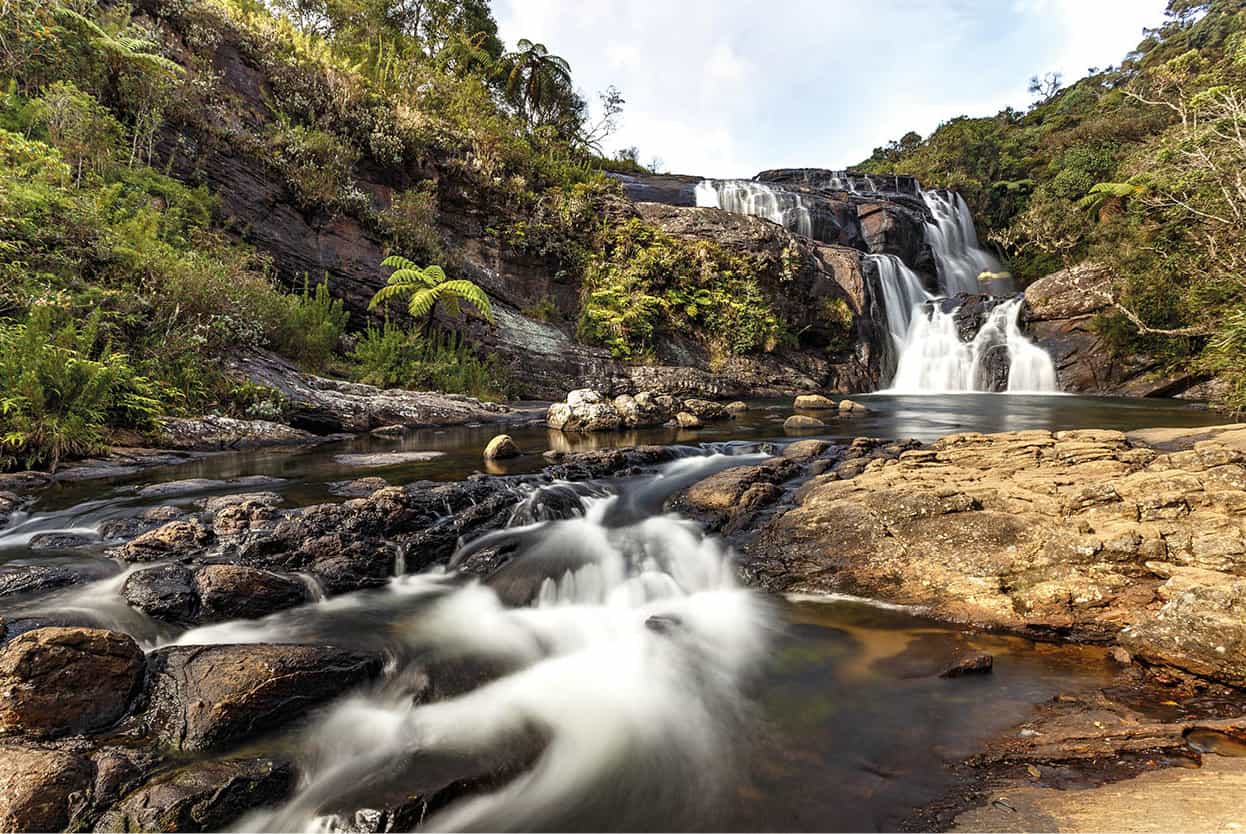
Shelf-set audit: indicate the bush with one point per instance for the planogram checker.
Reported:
(62, 390)
(391, 357)
(310, 328)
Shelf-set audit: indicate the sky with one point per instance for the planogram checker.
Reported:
(727, 88)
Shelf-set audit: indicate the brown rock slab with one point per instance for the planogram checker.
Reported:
(42, 790)
(64, 680)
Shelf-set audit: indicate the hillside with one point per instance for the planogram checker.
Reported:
(1136, 169)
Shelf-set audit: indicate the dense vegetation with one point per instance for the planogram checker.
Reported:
(122, 288)
(1138, 168)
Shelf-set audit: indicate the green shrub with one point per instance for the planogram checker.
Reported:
(391, 357)
(62, 389)
(311, 327)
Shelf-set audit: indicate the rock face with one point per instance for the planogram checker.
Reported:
(60, 680)
(1078, 533)
(211, 697)
(1062, 313)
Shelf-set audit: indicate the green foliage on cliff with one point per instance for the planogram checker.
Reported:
(392, 357)
(641, 282)
(1138, 167)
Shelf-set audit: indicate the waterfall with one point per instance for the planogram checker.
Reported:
(1030, 368)
(954, 242)
(759, 200)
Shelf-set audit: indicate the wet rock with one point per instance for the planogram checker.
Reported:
(736, 407)
(20, 483)
(59, 541)
(240, 517)
(358, 488)
(851, 407)
(704, 409)
(728, 499)
(165, 592)
(814, 402)
(122, 529)
(215, 433)
(585, 410)
(190, 486)
(215, 503)
(978, 663)
(32, 579)
(229, 592)
(9, 504)
(389, 431)
(802, 422)
(803, 449)
(206, 796)
(377, 459)
(501, 447)
(644, 409)
(687, 421)
(62, 680)
(211, 697)
(42, 790)
(176, 538)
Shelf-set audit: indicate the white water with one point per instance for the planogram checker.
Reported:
(759, 200)
(634, 653)
(964, 266)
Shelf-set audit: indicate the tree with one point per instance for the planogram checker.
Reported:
(612, 102)
(428, 287)
(1047, 86)
(538, 83)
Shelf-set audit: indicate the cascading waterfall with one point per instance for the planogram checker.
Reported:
(759, 200)
(964, 266)
(622, 678)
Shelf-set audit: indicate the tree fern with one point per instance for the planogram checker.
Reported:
(427, 287)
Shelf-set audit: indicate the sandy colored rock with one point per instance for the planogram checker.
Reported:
(585, 410)
(851, 407)
(686, 420)
(814, 402)
(1079, 533)
(736, 407)
(64, 680)
(176, 537)
(41, 790)
(805, 449)
(799, 422)
(501, 447)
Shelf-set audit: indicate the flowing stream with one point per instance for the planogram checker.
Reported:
(614, 673)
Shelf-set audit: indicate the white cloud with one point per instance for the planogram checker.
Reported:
(723, 87)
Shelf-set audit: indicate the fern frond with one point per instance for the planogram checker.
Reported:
(422, 301)
(472, 294)
(384, 294)
(399, 262)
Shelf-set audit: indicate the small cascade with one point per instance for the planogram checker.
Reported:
(902, 292)
(936, 360)
(964, 266)
(786, 208)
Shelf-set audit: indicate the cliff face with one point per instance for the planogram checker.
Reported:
(536, 298)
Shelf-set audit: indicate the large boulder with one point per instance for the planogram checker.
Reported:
(212, 697)
(165, 592)
(177, 538)
(206, 796)
(585, 410)
(65, 680)
(42, 790)
(228, 592)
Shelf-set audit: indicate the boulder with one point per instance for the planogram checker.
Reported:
(644, 409)
(851, 407)
(205, 796)
(978, 663)
(704, 409)
(165, 592)
(736, 407)
(687, 421)
(176, 538)
(501, 447)
(34, 579)
(814, 402)
(216, 503)
(212, 697)
(65, 680)
(803, 449)
(585, 410)
(802, 422)
(42, 790)
(240, 517)
(229, 592)
(59, 541)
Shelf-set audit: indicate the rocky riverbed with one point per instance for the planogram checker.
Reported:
(149, 720)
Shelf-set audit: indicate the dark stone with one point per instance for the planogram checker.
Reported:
(59, 541)
(206, 796)
(166, 592)
(978, 663)
(228, 592)
(212, 697)
(30, 579)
